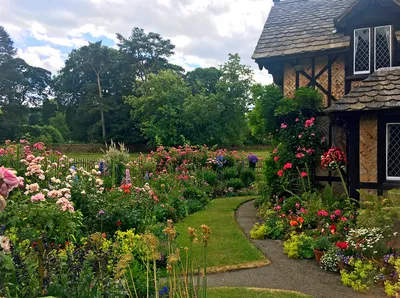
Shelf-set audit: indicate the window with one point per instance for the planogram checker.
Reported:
(393, 151)
(383, 46)
(382, 49)
(362, 51)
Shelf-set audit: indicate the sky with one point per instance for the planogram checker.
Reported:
(203, 31)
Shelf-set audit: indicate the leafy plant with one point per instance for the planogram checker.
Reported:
(361, 277)
(322, 243)
(299, 246)
(330, 259)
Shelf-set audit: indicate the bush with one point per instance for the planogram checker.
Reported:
(299, 246)
(236, 183)
(248, 176)
(196, 200)
(259, 231)
(229, 173)
(209, 176)
(46, 134)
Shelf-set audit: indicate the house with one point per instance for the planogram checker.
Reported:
(349, 50)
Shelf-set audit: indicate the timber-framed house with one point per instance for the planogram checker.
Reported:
(349, 50)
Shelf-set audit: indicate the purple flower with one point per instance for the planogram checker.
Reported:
(252, 159)
(101, 212)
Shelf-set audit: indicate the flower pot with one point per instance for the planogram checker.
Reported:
(380, 283)
(318, 255)
(340, 265)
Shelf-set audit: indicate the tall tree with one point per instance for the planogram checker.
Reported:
(86, 81)
(21, 86)
(7, 50)
(146, 53)
(203, 80)
(158, 108)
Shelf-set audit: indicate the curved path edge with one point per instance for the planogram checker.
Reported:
(283, 273)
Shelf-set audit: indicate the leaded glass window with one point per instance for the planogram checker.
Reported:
(362, 51)
(393, 151)
(383, 46)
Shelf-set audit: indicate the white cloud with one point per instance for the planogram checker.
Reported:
(204, 31)
(43, 56)
(40, 33)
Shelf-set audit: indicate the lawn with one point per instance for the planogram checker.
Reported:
(228, 248)
(226, 292)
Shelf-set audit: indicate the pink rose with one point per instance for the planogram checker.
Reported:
(338, 212)
(287, 166)
(276, 158)
(8, 178)
(280, 173)
(304, 174)
(38, 197)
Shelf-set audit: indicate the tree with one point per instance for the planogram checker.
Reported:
(158, 108)
(21, 86)
(7, 50)
(59, 122)
(203, 80)
(146, 54)
(87, 78)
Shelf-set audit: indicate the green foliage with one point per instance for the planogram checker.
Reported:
(159, 107)
(322, 243)
(259, 231)
(229, 173)
(248, 176)
(361, 277)
(203, 80)
(235, 183)
(47, 134)
(379, 211)
(299, 246)
(59, 121)
(209, 176)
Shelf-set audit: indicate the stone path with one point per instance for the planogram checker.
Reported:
(303, 276)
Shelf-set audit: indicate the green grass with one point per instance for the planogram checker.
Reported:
(228, 248)
(226, 292)
(261, 153)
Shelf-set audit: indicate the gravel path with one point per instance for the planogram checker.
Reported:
(303, 276)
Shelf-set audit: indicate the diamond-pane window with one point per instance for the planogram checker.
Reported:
(362, 50)
(393, 151)
(383, 46)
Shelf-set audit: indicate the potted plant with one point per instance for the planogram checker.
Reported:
(321, 245)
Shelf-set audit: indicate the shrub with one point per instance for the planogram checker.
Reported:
(259, 231)
(209, 176)
(229, 173)
(299, 246)
(322, 243)
(248, 176)
(235, 183)
(361, 277)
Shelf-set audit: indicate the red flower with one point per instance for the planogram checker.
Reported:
(342, 245)
(280, 173)
(118, 223)
(332, 228)
(276, 158)
(300, 219)
(287, 166)
(294, 223)
(304, 174)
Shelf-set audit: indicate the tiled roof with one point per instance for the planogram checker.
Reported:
(302, 26)
(381, 90)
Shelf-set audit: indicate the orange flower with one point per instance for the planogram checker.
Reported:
(300, 219)
(294, 223)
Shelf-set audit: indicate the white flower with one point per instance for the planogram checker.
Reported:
(83, 192)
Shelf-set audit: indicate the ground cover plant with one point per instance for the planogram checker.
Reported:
(107, 231)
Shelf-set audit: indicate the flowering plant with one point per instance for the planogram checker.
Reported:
(333, 159)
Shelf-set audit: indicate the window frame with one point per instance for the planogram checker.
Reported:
(389, 178)
(390, 45)
(354, 52)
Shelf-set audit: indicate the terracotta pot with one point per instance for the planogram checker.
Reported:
(340, 265)
(380, 283)
(318, 255)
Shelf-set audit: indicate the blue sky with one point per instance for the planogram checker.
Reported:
(204, 31)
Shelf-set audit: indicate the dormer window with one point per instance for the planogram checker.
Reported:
(383, 46)
(362, 51)
(382, 49)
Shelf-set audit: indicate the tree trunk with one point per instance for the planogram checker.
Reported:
(103, 125)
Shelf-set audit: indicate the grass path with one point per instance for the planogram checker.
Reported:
(228, 292)
(229, 248)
